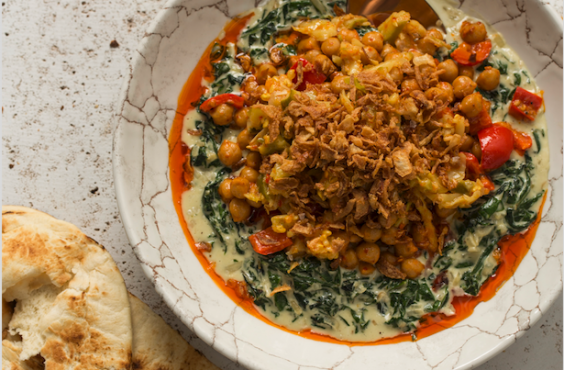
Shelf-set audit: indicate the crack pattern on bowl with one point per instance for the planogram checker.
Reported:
(164, 60)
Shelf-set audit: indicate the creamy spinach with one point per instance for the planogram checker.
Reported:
(343, 303)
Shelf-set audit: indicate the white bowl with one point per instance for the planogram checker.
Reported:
(165, 58)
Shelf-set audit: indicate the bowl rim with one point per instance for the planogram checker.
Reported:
(120, 183)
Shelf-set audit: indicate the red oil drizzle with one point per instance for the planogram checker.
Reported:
(512, 249)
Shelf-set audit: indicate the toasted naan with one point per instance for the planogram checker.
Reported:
(72, 305)
(156, 346)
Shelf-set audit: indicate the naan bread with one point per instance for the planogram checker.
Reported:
(72, 305)
(156, 346)
(11, 358)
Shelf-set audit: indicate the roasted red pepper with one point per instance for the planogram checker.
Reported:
(521, 141)
(310, 74)
(268, 241)
(525, 104)
(232, 99)
(471, 55)
(474, 171)
(496, 143)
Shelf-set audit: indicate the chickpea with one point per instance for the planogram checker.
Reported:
(310, 55)
(396, 75)
(374, 39)
(412, 268)
(331, 46)
(254, 204)
(415, 29)
(307, 44)
(467, 143)
(473, 33)
(261, 90)
(406, 249)
(324, 64)
(240, 210)
(344, 236)
(370, 54)
(447, 88)
(410, 85)
(463, 86)
(241, 117)
(249, 173)
(389, 236)
(389, 258)
(392, 55)
(366, 268)
(471, 105)
(370, 235)
(387, 49)
(349, 260)
(222, 115)
(368, 252)
(244, 138)
(239, 187)
(254, 160)
(388, 222)
(225, 190)
(477, 150)
(488, 79)
(348, 35)
(229, 153)
(427, 44)
(436, 93)
(419, 234)
(265, 71)
(249, 84)
(339, 84)
(405, 42)
(467, 71)
(450, 70)
(355, 238)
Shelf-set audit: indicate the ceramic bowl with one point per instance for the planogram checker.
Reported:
(164, 60)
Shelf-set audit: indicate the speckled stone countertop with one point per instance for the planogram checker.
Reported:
(63, 66)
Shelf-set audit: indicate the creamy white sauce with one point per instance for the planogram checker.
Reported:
(228, 264)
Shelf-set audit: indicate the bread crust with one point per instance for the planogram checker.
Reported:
(51, 267)
(156, 346)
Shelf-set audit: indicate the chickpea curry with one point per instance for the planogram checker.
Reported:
(349, 178)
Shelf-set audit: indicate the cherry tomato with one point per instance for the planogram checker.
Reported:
(496, 143)
(310, 73)
(525, 104)
(268, 241)
(235, 100)
(471, 55)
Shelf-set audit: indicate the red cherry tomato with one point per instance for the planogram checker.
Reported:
(268, 241)
(310, 73)
(525, 104)
(471, 55)
(235, 100)
(496, 143)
